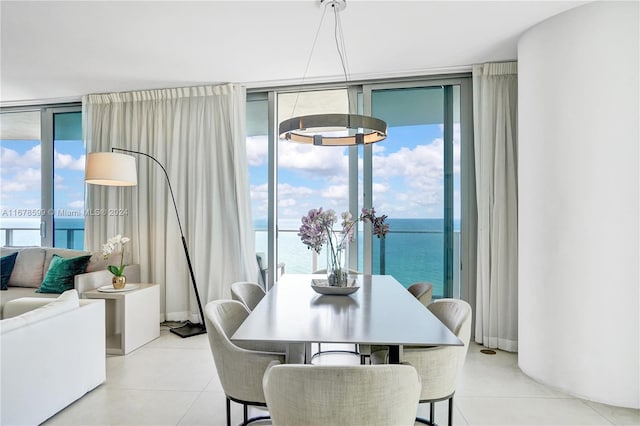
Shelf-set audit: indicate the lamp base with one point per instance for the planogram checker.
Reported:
(189, 329)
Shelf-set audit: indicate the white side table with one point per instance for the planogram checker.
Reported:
(132, 317)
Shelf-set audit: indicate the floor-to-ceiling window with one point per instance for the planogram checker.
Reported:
(415, 180)
(42, 187)
(414, 177)
(308, 177)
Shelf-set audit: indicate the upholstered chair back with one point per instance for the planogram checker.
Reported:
(240, 370)
(422, 291)
(440, 366)
(342, 395)
(248, 293)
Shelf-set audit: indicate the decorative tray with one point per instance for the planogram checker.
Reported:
(110, 289)
(322, 286)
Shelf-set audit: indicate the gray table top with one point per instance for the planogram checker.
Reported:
(381, 312)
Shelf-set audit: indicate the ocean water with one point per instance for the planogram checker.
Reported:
(69, 232)
(413, 250)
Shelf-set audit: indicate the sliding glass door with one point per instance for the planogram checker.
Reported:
(414, 177)
(415, 180)
(42, 191)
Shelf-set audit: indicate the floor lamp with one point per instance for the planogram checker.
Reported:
(113, 169)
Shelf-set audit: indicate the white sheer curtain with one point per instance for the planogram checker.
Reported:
(495, 100)
(198, 134)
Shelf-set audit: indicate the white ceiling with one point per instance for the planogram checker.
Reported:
(60, 50)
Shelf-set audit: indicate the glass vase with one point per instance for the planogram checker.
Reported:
(337, 273)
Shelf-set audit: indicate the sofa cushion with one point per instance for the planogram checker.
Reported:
(99, 263)
(62, 252)
(65, 302)
(20, 292)
(27, 271)
(6, 267)
(61, 272)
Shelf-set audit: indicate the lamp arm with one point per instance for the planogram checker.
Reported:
(166, 175)
(184, 241)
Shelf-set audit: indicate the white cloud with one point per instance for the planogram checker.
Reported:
(291, 199)
(337, 193)
(421, 167)
(78, 204)
(257, 150)
(66, 161)
(11, 160)
(287, 190)
(314, 162)
(25, 180)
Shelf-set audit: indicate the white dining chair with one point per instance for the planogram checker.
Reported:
(320, 395)
(439, 366)
(240, 369)
(247, 293)
(423, 291)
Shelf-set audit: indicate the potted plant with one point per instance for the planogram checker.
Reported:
(112, 245)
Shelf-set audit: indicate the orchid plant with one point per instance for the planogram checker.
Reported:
(317, 230)
(112, 245)
(380, 229)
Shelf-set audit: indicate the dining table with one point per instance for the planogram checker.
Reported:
(379, 312)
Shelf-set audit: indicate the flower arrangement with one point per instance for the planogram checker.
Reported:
(114, 244)
(317, 230)
(380, 229)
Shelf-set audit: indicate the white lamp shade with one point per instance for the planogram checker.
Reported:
(111, 168)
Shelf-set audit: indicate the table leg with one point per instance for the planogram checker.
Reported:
(395, 354)
(307, 353)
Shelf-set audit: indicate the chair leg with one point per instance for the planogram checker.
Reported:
(228, 412)
(246, 413)
(425, 421)
(451, 411)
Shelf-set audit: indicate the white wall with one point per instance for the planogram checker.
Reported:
(579, 327)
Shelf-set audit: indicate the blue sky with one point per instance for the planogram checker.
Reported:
(408, 175)
(20, 162)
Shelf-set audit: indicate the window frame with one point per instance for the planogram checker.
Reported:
(47, 178)
(467, 179)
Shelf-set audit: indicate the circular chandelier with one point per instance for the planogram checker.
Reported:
(334, 129)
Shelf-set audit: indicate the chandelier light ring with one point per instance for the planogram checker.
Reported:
(316, 129)
(333, 129)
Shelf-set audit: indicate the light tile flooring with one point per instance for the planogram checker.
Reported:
(173, 381)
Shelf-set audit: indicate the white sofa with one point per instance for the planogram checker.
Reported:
(32, 264)
(52, 352)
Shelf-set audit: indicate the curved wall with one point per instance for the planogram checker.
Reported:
(578, 183)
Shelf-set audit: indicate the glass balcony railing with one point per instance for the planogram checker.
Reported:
(67, 237)
(19, 237)
(409, 255)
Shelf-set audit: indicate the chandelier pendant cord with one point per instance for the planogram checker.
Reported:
(306, 69)
(342, 53)
(333, 129)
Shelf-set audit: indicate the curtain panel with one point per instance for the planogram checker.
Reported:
(198, 134)
(495, 105)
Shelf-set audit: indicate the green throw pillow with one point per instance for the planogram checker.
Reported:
(6, 267)
(61, 271)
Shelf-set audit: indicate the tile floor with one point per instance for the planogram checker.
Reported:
(173, 381)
